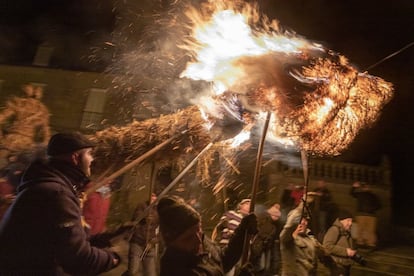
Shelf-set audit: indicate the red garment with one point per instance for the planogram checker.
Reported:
(297, 195)
(6, 192)
(6, 188)
(95, 211)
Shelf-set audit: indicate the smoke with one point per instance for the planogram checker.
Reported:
(148, 59)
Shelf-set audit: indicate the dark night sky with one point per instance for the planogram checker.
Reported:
(363, 31)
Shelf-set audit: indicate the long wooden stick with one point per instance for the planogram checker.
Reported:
(133, 163)
(169, 187)
(184, 171)
(305, 168)
(255, 185)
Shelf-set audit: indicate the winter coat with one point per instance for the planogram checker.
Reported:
(336, 241)
(214, 262)
(299, 254)
(41, 233)
(265, 238)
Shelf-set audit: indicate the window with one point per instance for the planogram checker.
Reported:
(93, 111)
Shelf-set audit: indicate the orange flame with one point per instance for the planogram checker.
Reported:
(319, 100)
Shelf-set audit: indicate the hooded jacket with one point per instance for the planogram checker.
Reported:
(42, 233)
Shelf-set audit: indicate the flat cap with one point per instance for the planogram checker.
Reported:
(64, 143)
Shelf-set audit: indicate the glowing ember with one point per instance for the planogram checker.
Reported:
(319, 100)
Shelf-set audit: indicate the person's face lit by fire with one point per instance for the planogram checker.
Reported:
(83, 159)
(244, 208)
(190, 241)
(153, 198)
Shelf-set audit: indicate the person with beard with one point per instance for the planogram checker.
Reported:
(42, 232)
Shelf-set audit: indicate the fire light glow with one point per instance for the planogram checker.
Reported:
(318, 99)
(243, 136)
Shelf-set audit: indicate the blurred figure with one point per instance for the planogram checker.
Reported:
(287, 202)
(193, 201)
(24, 122)
(9, 181)
(339, 244)
(265, 249)
(228, 224)
(297, 194)
(298, 247)
(322, 208)
(230, 221)
(142, 252)
(188, 250)
(367, 206)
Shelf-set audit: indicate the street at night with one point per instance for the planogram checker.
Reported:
(136, 127)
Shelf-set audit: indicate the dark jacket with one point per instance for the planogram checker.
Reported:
(325, 200)
(268, 232)
(214, 262)
(367, 202)
(42, 233)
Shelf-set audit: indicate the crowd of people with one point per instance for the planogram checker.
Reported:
(48, 230)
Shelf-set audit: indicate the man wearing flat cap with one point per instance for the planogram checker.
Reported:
(42, 233)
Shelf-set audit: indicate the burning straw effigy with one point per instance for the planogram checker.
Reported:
(117, 146)
(319, 101)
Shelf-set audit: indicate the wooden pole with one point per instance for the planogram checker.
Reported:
(305, 168)
(133, 163)
(255, 185)
(171, 185)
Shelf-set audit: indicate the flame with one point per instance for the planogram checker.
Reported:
(318, 99)
(219, 42)
(240, 138)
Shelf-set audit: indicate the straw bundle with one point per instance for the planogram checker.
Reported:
(117, 146)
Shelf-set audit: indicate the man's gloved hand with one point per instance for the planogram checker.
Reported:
(101, 240)
(249, 224)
